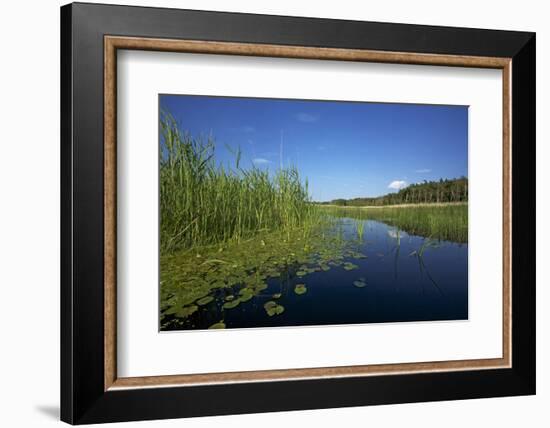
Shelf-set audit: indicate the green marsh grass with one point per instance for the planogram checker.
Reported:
(445, 222)
(360, 225)
(204, 203)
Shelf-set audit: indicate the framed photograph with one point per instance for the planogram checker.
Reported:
(266, 213)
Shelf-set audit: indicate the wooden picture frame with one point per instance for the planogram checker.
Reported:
(91, 390)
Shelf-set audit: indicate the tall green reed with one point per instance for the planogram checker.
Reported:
(205, 203)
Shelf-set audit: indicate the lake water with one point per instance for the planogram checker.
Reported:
(402, 278)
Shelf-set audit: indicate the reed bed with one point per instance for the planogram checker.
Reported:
(446, 222)
(205, 203)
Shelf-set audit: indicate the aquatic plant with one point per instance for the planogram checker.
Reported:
(350, 266)
(360, 225)
(300, 289)
(360, 283)
(240, 271)
(205, 203)
(273, 308)
(445, 222)
(218, 325)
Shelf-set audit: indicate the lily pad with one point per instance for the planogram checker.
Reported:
(246, 296)
(171, 310)
(232, 304)
(359, 256)
(186, 311)
(229, 298)
(301, 273)
(218, 325)
(205, 300)
(273, 308)
(350, 266)
(260, 287)
(359, 284)
(300, 289)
(276, 295)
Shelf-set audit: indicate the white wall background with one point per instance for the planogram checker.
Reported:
(29, 214)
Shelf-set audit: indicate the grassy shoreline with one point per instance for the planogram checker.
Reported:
(422, 204)
(448, 222)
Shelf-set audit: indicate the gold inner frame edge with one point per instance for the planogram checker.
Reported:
(113, 43)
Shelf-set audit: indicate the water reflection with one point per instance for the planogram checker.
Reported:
(386, 275)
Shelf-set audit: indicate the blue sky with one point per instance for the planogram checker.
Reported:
(345, 149)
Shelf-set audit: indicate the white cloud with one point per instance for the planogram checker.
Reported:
(397, 184)
(423, 171)
(260, 161)
(306, 117)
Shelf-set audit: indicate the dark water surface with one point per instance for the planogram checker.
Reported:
(403, 278)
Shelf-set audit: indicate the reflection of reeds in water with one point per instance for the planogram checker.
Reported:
(395, 234)
(427, 243)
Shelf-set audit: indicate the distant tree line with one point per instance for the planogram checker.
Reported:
(444, 190)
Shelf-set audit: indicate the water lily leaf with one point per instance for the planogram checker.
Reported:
(270, 304)
(205, 300)
(186, 311)
(229, 298)
(218, 325)
(245, 297)
(301, 273)
(171, 310)
(260, 287)
(359, 284)
(273, 308)
(300, 289)
(218, 284)
(276, 295)
(232, 304)
(350, 266)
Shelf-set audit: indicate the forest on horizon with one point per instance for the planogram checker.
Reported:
(437, 191)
